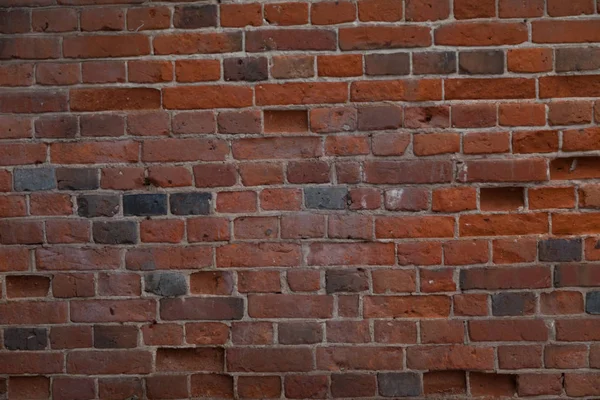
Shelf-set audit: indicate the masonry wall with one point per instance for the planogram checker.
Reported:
(372, 198)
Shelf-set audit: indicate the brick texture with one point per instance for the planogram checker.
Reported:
(301, 199)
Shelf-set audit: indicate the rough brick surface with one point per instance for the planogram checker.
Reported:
(299, 199)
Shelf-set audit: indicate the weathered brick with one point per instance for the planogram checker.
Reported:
(326, 198)
(166, 284)
(399, 384)
(115, 232)
(190, 203)
(34, 179)
(97, 205)
(25, 338)
(145, 204)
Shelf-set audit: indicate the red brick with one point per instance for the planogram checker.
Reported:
(194, 97)
(519, 9)
(379, 37)
(436, 143)
(212, 385)
(529, 60)
(148, 18)
(508, 330)
(290, 306)
(393, 280)
(406, 306)
(480, 34)
(492, 384)
(269, 359)
(306, 386)
(450, 357)
(290, 39)
(17, 74)
(110, 362)
(332, 12)
(252, 333)
(197, 70)
(577, 7)
(359, 358)
(259, 281)
(100, 46)
(379, 10)
(429, 10)
(240, 15)
(442, 332)
(470, 304)
(414, 227)
(103, 71)
(419, 253)
(551, 197)
(565, 356)
(29, 387)
(486, 143)
(454, 199)
(505, 278)
(520, 357)
(102, 19)
(285, 14)
(444, 383)
(22, 286)
(165, 334)
(469, 9)
(494, 88)
(268, 387)
(522, 114)
(205, 333)
(190, 359)
(165, 150)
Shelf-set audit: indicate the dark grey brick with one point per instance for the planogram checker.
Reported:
(97, 205)
(442, 63)
(387, 64)
(25, 338)
(77, 178)
(33, 179)
(346, 280)
(481, 62)
(145, 204)
(168, 284)
(196, 203)
(504, 304)
(560, 250)
(592, 303)
(115, 232)
(399, 384)
(300, 333)
(577, 59)
(193, 17)
(246, 69)
(374, 118)
(115, 336)
(326, 197)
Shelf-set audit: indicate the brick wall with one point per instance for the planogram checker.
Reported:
(311, 199)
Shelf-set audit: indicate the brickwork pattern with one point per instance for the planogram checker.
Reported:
(310, 199)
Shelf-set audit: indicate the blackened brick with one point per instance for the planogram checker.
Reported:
(115, 232)
(592, 303)
(145, 204)
(115, 336)
(77, 178)
(560, 250)
(300, 332)
(379, 117)
(481, 62)
(191, 203)
(440, 63)
(387, 64)
(193, 17)
(399, 384)
(97, 205)
(34, 179)
(353, 280)
(326, 198)
(25, 338)
(167, 284)
(504, 304)
(246, 69)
